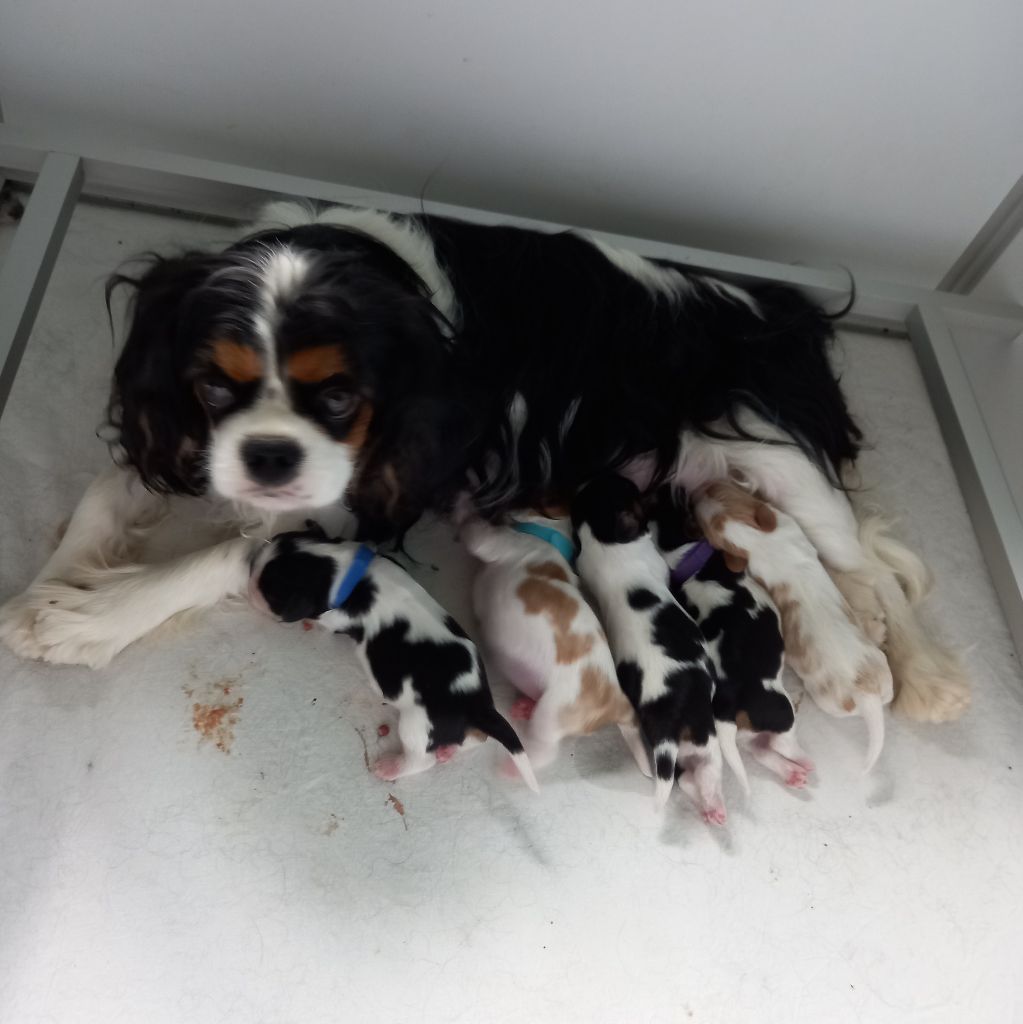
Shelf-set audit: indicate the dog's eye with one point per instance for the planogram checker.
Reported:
(338, 404)
(215, 396)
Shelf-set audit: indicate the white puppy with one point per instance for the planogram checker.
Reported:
(540, 633)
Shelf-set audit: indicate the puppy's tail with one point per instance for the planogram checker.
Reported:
(871, 709)
(665, 759)
(492, 722)
(730, 752)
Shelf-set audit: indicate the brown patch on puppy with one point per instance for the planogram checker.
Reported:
(359, 431)
(600, 702)
(542, 597)
(241, 363)
(803, 655)
(742, 721)
(735, 563)
(849, 705)
(548, 571)
(312, 365)
(723, 502)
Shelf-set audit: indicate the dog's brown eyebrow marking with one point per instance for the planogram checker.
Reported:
(311, 365)
(237, 361)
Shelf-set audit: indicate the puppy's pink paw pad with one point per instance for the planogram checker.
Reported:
(796, 778)
(715, 816)
(388, 768)
(522, 709)
(444, 754)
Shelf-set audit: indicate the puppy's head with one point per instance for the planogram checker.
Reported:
(294, 575)
(671, 520)
(277, 372)
(612, 508)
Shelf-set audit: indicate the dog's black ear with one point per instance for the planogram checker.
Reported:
(159, 423)
(413, 464)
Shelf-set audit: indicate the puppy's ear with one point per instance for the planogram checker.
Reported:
(160, 426)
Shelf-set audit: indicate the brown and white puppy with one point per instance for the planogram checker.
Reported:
(540, 633)
(844, 672)
(742, 628)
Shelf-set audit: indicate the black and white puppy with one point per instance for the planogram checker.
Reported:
(416, 655)
(742, 629)
(662, 661)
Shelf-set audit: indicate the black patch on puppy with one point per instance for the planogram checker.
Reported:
(677, 634)
(641, 598)
(630, 679)
(393, 659)
(768, 710)
(361, 599)
(356, 632)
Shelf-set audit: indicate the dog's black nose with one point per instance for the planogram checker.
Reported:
(271, 460)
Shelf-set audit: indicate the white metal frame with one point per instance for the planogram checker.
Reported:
(203, 186)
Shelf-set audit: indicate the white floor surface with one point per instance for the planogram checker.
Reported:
(191, 835)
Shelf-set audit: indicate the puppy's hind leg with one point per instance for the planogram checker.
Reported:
(414, 730)
(700, 779)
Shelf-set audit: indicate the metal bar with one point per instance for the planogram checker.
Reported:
(29, 262)
(996, 517)
(997, 234)
(206, 186)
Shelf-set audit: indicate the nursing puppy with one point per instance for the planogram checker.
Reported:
(825, 643)
(742, 629)
(662, 662)
(416, 656)
(543, 636)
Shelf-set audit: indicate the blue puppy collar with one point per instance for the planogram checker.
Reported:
(556, 540)
(354, 576)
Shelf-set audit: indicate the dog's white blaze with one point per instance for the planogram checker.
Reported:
(402, 235)
(282, 274)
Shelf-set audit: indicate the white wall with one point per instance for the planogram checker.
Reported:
(1004, 281)
(876, 133)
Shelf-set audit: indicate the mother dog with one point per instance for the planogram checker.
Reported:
(393, 361)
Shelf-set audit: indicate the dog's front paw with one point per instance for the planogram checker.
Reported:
(17, 626)
(78, 626)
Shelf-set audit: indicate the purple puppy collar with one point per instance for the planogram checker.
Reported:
(692, 562)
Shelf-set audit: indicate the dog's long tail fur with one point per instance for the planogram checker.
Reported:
(493, 723)
(930, 680)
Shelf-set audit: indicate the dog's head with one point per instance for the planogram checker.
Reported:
(292, 369)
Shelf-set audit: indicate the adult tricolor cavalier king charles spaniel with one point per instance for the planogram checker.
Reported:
(395, 362)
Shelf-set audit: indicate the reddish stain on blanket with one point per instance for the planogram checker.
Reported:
(216, 722)
(307, 625)
(399, 807)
